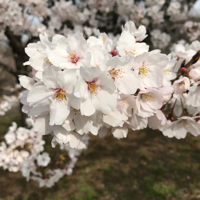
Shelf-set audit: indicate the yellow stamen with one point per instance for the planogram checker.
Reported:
(94, 88)
(148, 97)
(144, 70)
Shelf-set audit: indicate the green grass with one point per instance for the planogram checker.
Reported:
(144, 166)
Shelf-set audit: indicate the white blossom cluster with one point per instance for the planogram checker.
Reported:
(160, 39)
(183, 115)
(34, 17)
(23, 150)
(97, 85)
(6, 104)
(192, 29)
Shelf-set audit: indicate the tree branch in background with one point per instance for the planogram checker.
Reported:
(19, 53)
(8, 69)
(14, 43)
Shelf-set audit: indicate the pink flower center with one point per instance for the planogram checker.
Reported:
(148, 97)
(59, 94)
(95, 88)
(115, 74)
(144, 70)
(74, 58)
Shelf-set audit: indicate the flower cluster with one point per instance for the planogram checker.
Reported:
(21, 22)
(6, 103)
(30, 18)
(181, 114)
(97, 85)
(160, 39)
(23, 150)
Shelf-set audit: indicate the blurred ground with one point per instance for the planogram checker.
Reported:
(145, 166)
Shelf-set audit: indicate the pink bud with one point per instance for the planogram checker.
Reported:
(183, 70)
(114, 52)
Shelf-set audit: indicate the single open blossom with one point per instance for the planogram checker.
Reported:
(148, 67)
(38, 53)
(103, 40)
(43, 159)
(182, 126)
(96, 90)
(195, 74)
(123, 75)
(139, 34)
(148, 102)
(181, 85)
(127, 45)
(70, 53)
(54, 93)
(22, 134)
(10, 137)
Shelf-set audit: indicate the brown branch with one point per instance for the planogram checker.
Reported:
(194, 59)
(14, 42)
(184, 68)
(19, 53)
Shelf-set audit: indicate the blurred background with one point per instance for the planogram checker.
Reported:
(145, 165)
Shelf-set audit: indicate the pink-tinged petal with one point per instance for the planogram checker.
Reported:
(41, 109)
(141, 48)
(120, 132)
(195, 74)
(38, 75)
(89, 74)
(82, 124)
(179, 130)
(128, 83)
(114, 118)
(75, 141)
(38, 94)
(104, 102)
(81, 89)
(26, 82)
(58, 56)
(42, 125)
(167, 130)
(37, 61)
(23, 97)
(50, 77)
(69, 125)
(157, 101)
(95, 129)
(59, 110)
(74, 102)
(153, 78)
(106, 82)
(146, 107)
(70, 80)
(87, 107)
(72, 139)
